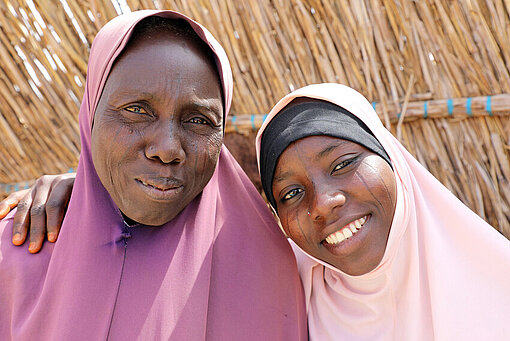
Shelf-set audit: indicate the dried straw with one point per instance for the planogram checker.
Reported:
(433, 58)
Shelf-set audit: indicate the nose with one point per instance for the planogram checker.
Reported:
(325, 202)
(165, 145)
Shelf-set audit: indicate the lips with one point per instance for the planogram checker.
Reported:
(160, 188)
(346, 232)
(161, 183)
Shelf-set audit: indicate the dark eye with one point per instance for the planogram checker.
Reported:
(198, 120)
(344, 164)
(291, 194)
(136, 109)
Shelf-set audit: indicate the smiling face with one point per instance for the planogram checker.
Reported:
(157, 130)
(336, 201)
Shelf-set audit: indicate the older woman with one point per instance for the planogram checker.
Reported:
(385, 252)
(164, 236)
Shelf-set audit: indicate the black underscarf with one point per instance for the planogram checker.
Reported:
(310, 119)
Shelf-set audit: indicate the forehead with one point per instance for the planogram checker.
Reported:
(312, 155)
(318, 147)
(164, 61)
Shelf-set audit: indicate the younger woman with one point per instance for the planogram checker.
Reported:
(385, 252)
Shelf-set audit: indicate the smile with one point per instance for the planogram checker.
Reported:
(346, 232)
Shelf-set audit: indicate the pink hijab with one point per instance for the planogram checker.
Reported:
(445, 274)
(220, 270)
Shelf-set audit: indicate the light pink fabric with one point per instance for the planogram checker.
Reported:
(220, 270)
(445, 274)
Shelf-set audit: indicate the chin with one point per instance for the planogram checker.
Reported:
(155, 221)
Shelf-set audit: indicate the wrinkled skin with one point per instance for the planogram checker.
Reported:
(155, 140)
(158, 128)
(323, 183)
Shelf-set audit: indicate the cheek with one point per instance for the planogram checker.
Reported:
(389, 194)
(108, 143)
(377, 180)
(203, 156)
(214, 143)
(291, 223)
(111, 146)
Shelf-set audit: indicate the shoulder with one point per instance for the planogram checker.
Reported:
(6, 236)
(16, 261)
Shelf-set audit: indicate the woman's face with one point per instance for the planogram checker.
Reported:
(157, 130)
(336, 200)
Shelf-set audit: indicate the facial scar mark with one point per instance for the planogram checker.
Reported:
(298, 152)
(368, 188)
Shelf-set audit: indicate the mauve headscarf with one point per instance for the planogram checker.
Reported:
(221, 270)
(445, 274)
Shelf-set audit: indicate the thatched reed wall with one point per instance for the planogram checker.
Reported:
(433, 58)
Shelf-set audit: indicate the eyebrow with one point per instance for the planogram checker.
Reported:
(282, 176)
(130, 94)
(213, 108)
(199, 104)
(203, 104)
(329, 149)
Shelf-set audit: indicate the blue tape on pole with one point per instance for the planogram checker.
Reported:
(425, 109)
(488, 105)
(373, 105)
(253, 122)
(450, 106)
(264, 119)
(234, 122)
(398, 115)
(469, 112)
(7, 188)
(26, 186)
(16, 187)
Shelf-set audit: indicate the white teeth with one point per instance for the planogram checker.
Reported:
(346, 232)
(340, 237)
(358, 223)
(335, 238)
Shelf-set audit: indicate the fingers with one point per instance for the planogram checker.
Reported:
(11, 201)
(57, 204)
(40, 209)
(22, 218)
(38, 212)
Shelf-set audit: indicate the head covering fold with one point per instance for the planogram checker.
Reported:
(220, 270)
(445, 272)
